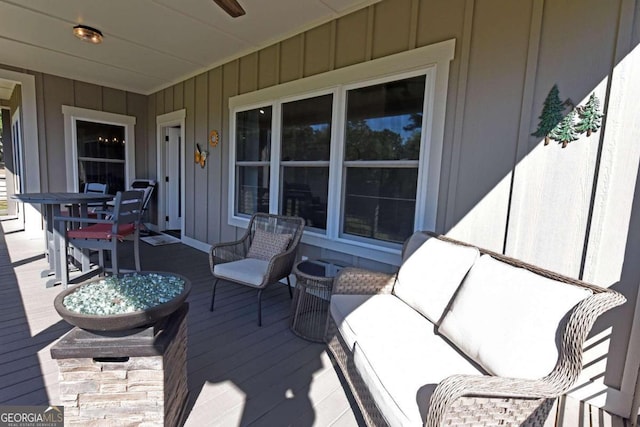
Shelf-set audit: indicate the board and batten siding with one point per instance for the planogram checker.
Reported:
(573, 210)
(51, 93)
(352, 39)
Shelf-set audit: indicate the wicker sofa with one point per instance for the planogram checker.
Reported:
(460, 336)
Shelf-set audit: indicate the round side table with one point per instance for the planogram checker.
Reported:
(310, 304)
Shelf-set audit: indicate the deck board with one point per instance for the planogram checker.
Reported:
(238, 373)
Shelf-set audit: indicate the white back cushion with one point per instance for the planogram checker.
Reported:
(507, 319)
(416, 240)
(428, 279)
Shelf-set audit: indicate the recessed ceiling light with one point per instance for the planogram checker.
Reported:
(87, 34)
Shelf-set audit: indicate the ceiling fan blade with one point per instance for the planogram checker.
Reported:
(232, 7)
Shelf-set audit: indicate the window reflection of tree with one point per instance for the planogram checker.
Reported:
(382, 148)
(380, 201)
(306, 137)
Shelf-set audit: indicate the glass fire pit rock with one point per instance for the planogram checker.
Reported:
(124, 302)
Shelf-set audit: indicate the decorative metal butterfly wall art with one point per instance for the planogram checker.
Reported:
(201, 156)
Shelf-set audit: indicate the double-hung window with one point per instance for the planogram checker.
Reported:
(304, 159)
(383, 129)
(101, 154)
(99, 147)
(253, 157)
(355, 152)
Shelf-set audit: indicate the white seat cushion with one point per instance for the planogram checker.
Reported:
(402, 371)
(508, 319)
(397, 353)
(356, 315)
(250, 271)
(428, 279)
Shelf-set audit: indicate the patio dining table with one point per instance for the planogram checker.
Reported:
(51, 207)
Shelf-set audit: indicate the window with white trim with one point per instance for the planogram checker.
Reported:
(101, 156)
(355, 152)
(99, 147)
(305, 146)
(383, 127)
(253, 148)
(379, 147)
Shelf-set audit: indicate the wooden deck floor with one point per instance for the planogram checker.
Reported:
(238, 374)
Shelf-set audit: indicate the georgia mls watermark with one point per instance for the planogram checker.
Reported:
(31, 416)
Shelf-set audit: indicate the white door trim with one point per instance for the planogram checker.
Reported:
(30, 143)
(16, 150)
(17, 157)
(175, 118)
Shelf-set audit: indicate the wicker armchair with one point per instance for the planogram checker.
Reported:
(474, 400)
(264, 255)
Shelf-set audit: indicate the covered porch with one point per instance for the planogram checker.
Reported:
(238, 374)
(480, 170)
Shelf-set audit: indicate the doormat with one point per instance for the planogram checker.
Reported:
(160, 239)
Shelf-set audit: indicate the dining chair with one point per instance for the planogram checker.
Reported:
(264, 255)
(108, 233)
(95, 188)
(146, 186)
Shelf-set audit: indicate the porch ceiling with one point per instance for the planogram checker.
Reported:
(149, 44)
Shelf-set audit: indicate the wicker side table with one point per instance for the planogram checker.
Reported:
(310, 304)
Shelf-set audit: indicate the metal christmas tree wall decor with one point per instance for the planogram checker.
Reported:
(590, 116)
(551, 114)
(565, 132)
(564, 129)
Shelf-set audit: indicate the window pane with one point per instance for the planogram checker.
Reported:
(99, 140)
(304, 194)
(384, 122)
(306, 128)
(380, 203)
(252, 189)
(108, 173)
(253, 135)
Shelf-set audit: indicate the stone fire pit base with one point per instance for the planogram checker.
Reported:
(125, 378)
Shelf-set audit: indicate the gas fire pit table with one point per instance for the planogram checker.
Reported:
(125, 361)
(122, 303)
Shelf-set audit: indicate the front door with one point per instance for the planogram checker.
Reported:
(172, 179)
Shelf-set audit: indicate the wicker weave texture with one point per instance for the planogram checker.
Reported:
(480, 411)
(280, 265)
(344, 359)
(354, 281)
(465, 400)
(310, 305)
